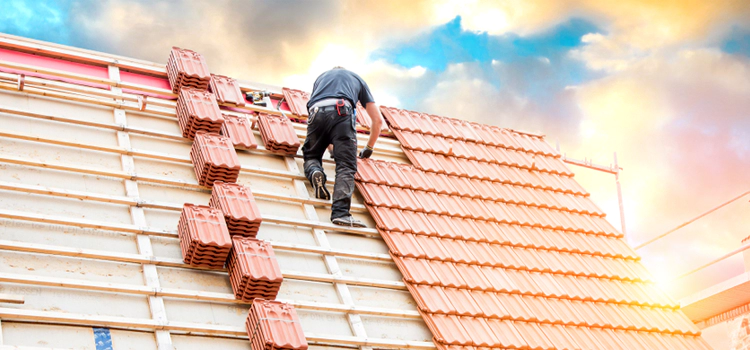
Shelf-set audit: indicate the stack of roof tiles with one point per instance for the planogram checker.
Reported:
(278, 134)
(501, 248)
(197, 110)
(253, 269)
(274, 325)
(297, 101)
(227, 90)
(204, 237)
(238, 205)
(214, 159)
(187, 69)
(239, 129)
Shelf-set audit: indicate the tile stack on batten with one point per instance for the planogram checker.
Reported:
(224, 231)
(273, 325)
(278, 134)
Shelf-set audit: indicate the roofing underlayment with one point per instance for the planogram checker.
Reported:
(495, 241)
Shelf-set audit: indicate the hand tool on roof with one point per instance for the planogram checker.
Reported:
(257, 97)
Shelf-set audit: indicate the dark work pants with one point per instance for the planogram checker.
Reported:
(323, 129)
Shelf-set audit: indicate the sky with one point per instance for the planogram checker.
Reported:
(665, 84)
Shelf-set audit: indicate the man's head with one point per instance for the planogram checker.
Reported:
(338, 67)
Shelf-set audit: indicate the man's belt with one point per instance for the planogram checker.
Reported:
(341, 106)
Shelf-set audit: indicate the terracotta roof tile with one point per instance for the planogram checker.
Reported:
(253, 269)
(187, 68)
(274, 325)
(368, 172)
(238, 206)
(197, 110)
(227, 90)
(214, 159)
(239, 130)
(508, 234)
(447, 329)
(204, 238)
(297, 101)
(432, 299)
(278, 134)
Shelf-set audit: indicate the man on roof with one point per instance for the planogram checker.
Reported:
(332, 122)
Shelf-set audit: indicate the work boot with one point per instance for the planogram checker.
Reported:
(318, 181)
(348, 221)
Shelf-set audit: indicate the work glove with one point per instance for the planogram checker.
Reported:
(366, 152)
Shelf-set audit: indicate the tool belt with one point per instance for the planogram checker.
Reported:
(341, 106)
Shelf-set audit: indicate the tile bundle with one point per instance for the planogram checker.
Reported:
(253, 269)
(204, 237)
(198, 111)
(187, 69)
(214, 159)
(227, 90)
(274, 325)
(297, 101)
(239, 129)
(239, 208)
(278, 134)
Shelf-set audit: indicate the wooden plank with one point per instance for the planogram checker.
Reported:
(11, 298)
(227, 298)
(160, 261)
(53, 317)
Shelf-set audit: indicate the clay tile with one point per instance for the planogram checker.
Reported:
(389, 219)
(187, 68)
(477, 209)
(444, 226)
(368, 172)
(297, 101)
(239, 207)
(227, 90)
(490, 305)
(585, 338)
(453, 206)
(197, 110)
(433, 247)
(424, 123)
(431, 299)
(524, 280)
(423, 161)
(548, 285)
(480, 331)
(412, 140)
(468, 229)
(437, 144)
(239, 130)
(461, 150)
(448, 275)
(275, 325)
(486, 189)
(376, 195)
(507, 256)
(464, 186)
(459, 251)
(214, 159)
(447, 329)
(516, 306)
(499, 280)
(404, 198)
(204, 237)
(462, 300)
(278, 134)
(559, 336)
(253, 269)
(508, 334)
(417, 271)
(441, 183)
(403, 244)
(473, 276)
(416, 178)
(468, 168)
(418, 223)
(429, 202)
(482, 252)
(590, 314)
(565, 311)
(488, 231)
(444, 127)
(449, 165)
(398, 119)
(534, 336)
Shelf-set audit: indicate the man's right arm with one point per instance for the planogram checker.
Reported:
(377, 123)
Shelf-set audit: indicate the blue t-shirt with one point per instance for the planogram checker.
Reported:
(340, 83)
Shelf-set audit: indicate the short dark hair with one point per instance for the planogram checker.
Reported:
(339, 67)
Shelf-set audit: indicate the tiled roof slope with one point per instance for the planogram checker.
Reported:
(501, 248)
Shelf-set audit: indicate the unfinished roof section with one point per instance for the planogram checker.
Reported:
(502, 248)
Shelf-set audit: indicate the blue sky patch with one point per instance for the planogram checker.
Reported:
(737, 42)
(449, 43)
(37, 19)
